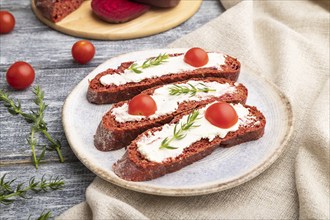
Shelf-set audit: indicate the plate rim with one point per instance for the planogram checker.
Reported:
(202, 189)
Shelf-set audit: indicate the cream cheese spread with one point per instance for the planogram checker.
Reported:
(149, 144)
(167, 104)
(172, 65)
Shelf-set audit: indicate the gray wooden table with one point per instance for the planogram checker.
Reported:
(49, 52)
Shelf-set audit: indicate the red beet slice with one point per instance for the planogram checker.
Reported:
(118, 11)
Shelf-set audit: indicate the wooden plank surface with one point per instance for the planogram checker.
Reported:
(49, 52)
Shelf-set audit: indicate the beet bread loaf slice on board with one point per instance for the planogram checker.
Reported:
(56, 10)
(131, 78)
(188, 138)
(118, 127)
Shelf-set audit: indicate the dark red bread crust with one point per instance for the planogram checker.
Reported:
(56, 10)
(99, 94)
(112, 135)
(134, 167)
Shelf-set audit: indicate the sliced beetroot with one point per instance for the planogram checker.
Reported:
(118, 11)
(160, 3)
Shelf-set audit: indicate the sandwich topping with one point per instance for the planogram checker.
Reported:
(221, 114)
(171, 65)
(161, 58)
(150, 144)
(168, 98)
(196, 57)
(142, 104)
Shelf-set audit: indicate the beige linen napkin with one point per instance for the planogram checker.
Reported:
(288, 42)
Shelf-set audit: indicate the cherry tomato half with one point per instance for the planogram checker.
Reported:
(196, 57)
(83, 51)
(7, 22)
(221, 114)
(142, 105)
(20, 75)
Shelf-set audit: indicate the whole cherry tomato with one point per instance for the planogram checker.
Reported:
(142, 105)
(196, 57)
(7, 22)
(20, 75)
(222, 115)
(83, 51)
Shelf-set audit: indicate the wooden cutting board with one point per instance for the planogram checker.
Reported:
(83, 23)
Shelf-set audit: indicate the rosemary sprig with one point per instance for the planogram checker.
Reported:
(36, 118)
(180, 134)
(15, 109)
(155, 61)
(41, 125)
(9, 195)
(192, 90)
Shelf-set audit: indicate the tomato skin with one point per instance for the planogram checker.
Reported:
(83, 51)
(20, 75)
(7, 22)
(196, 57)
(221, 115)
(142, 105)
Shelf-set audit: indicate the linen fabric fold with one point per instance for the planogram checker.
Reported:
(288, 43)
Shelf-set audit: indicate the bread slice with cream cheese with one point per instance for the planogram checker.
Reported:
(123, 83)
(146, 159)
(118, 128)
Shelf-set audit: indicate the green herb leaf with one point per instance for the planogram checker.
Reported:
(45, 216)
(192, 90)
(161, 58)
(165, 144)
(179, 134)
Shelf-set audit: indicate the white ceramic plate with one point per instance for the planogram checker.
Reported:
(223, 169)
